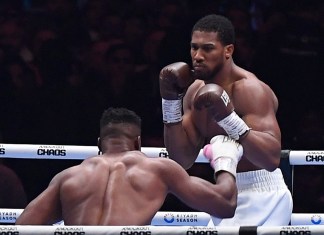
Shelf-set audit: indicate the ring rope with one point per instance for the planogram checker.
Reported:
(172, 218)
(113, 230)
(159, 230)
(75, 152)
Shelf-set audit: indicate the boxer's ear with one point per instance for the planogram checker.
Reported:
(99, 145)
(138, 143)
(228, 50)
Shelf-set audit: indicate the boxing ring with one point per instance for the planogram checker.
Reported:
(164, 222)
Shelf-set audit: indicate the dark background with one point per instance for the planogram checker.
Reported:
(62, 62)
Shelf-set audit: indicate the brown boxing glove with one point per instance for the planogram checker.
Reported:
(214, 98)
(174, 80)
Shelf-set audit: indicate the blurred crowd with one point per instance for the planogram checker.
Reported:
(62, 62)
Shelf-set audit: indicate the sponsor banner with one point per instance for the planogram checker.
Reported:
(159, 230)
(30, 151)
(194, 230)
(161, 218)
(310, 157)
(9, 230)
(9, 215)
(307, 219)
(155, 152)
(290, 230)
(33, 151)
(115, 230)
(170, 218)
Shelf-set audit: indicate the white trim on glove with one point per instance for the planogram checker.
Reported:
(223, 153)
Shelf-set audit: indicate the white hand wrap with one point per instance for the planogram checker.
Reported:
(223, 153)
(234, 126)
(172, 110)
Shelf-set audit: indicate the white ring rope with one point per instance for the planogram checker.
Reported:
(68, 152)
(189, 223)
(113, 230)
(160, 230)
(172, 218)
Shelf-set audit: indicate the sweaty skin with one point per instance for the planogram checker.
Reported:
(253, 101)
(125, 188)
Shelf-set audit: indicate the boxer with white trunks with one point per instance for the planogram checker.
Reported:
(217, 97)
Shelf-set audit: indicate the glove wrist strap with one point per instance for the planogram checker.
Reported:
(224, 164)
(234, 126)
(172, 110)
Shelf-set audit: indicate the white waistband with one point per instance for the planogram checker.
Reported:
(260, 180)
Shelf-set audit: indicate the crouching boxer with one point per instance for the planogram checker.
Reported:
(125, 187)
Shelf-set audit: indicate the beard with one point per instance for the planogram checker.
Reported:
(207, 74)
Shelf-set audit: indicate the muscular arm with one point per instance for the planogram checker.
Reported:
(180, 146)
(257, 105)
(182, 139)
(45, 209)
(217, 199)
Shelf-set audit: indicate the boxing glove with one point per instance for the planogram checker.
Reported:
(174, 80)
(223, 153)
(219, 106)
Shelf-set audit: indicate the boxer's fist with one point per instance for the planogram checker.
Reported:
(219, 106)
(174, 80)
(215, 99)
(223, 153)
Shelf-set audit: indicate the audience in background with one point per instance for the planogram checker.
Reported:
(62, 62)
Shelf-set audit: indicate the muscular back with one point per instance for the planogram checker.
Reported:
(103, 189)
(125, 189)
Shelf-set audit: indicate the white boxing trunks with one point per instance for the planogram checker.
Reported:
(263, 199)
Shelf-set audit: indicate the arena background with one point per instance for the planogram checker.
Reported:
(62, 62)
